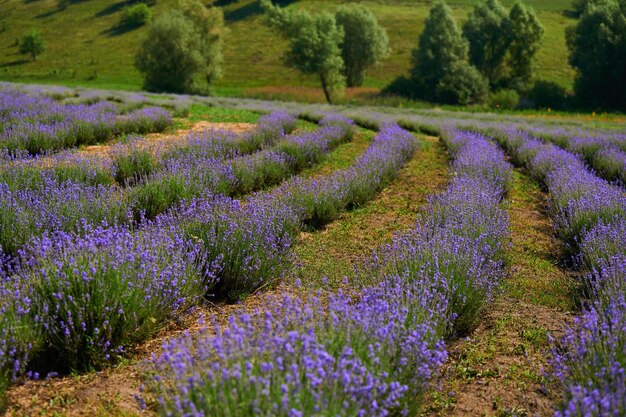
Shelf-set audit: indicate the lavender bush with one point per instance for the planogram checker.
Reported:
(56, 206)
(579, 198)
(243, 247)
(19, 335)
(95, 295)
(36, 124)
(188, 175)
(460, 238)
(604, 242)
(320, 200)
(591, 362)
(297, 358)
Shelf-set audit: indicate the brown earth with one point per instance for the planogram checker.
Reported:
(156, 141)
(501, 369)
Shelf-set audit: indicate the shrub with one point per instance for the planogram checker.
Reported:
(19, 335)
(244, 247)
(157, 196)
(182, 50)
(96, 295)
(136, 15)
(463, 85)
(32, 44)
(548, 94)
(402, 86)
(504, 99)
(132, 166)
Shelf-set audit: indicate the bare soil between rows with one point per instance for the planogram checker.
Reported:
(502, 368)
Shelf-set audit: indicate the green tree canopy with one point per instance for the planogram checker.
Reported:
(32, 44)
(526, 33)
(486, 32)
(503, 47)
(440, 46)
(313, 45)
(441, 70)
(182, 50)
(597, 47)
(364, 44)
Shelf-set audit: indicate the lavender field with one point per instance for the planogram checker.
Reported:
(308, 261)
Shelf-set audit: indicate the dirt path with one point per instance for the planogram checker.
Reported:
(167, 140)
(500, 370)
(331, 253)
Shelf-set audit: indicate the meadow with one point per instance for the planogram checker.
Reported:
(96, 53)
(185, 255)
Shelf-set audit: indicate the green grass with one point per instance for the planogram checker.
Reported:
(537, 276)
(328, 255)
(199, 112)
(203, 113)
(83, 48)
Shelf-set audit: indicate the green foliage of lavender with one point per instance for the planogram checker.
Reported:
(133, 166)
(37, 124)
(94, 296)
(69, 189)
(188, 175)
(19, 334)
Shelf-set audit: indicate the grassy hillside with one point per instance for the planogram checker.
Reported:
(85, 47)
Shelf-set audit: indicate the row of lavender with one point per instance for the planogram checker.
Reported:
(133, 159)
(590, 216)
(78, 301)
(371, 353)
(36, 200)
(605, 152)
(34, 124)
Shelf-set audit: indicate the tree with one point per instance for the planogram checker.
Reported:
(32, 44)
(503, 47)
(526, 33)
(136, 15)
(441, 70)
(597, 47)
(182, 51)
(486, 32)
(578, 6)
(364, 44)
(462, 85)
(313, 45)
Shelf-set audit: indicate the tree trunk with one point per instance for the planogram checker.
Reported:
(325, 88)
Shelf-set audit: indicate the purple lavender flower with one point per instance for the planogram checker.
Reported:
(97, 294)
